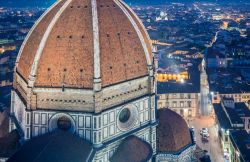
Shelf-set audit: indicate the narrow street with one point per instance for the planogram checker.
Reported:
(212, 146)
(205, 106)
(206, 120)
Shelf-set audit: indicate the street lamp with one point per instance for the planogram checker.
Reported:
(182, 80)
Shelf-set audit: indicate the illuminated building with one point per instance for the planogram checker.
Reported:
(180, 94)
(84, 87)
(165, 77)
(233, 127)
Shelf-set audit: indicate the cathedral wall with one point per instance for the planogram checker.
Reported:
(119, 93)
(21, 86)
(18, 109)
(98, 128)
(56, 99)
(145, 134)
(83, 99)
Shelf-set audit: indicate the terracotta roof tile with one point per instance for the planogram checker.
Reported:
(172, 132)
(59, 146)
(68, 55)
(30, 47)
(132, 149)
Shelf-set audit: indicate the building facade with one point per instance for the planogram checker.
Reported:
(238, 97)
(94, 80)
(231, 117)
(185, 104)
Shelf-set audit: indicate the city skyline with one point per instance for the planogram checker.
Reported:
(172, 79)
(47, 3)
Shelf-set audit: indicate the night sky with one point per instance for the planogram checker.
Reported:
(46, 3)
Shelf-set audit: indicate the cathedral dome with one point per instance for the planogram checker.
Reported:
(77, 41)
(172, 132)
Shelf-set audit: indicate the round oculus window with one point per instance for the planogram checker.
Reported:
(124, 115)
(127, 117)
(64, 123)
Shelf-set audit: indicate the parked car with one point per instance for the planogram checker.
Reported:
(203, 131)
(205, 134)
(204, 139)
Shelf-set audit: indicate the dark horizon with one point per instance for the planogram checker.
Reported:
(47, 3)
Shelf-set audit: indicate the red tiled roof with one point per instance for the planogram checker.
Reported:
(68, 54)
(132, 149)
(172, 132)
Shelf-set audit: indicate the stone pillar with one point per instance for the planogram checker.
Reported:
(97, 95)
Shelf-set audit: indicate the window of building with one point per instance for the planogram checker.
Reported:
(88, 122)
(181, 95)
(27, 118)
(64, 123)
(81, 132)
(100, 122)
(141, 117)
(111, 153)
(181, 112)
(106, 156)
(88, 135)
(189, 112)
(174, 104)
(37, 118)
(146, 137)
(95, 123)
(80, 121)
(189, 104)
(112, 130)
(105, 119)
(141, 107)
(124, 115)
(27, 133)
(146, 115)
(167, 104)
(43, 130)
(44, 119)
(99, 136)
(226, 138)
(189, 96)
(36, 131)
(105, 132)
(161, 97)
(181, 104)
(145, 104)
(112, 116)
(95, 137)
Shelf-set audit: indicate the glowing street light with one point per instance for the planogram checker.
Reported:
(182, 80)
